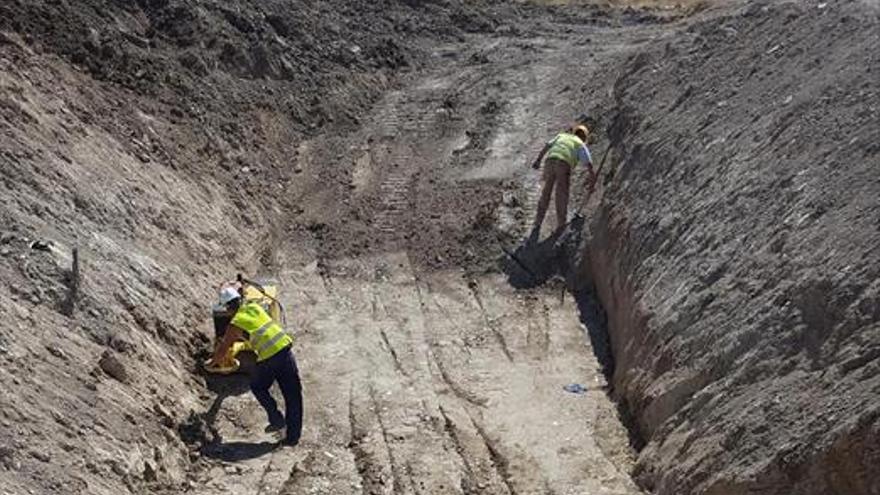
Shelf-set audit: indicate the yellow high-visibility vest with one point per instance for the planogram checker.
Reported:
(266, 337)
(565, 147)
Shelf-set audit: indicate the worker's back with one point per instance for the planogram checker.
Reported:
(265, 335)
(566, 147)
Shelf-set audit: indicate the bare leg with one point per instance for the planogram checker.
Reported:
(563, 180)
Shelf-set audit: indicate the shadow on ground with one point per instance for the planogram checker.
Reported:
(198, 428)
(532, 263)
(238, 451)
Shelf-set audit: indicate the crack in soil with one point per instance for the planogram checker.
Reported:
(499, 461)
(490, 323)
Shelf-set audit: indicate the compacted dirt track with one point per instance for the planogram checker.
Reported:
(420, 377)
(429, 385)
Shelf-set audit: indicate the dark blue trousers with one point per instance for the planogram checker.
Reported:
(280, 368)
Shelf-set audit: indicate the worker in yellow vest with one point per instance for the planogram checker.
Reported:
(275, 362)
(564, 152)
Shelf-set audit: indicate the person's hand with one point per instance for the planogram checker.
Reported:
(592, 178)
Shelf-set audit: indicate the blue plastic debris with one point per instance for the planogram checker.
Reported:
(575, 388)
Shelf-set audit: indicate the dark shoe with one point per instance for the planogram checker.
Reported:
(288, 442)
(275, 426)
(534, 235)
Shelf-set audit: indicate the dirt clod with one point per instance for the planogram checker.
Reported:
(113, 366)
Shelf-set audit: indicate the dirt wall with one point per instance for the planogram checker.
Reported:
(735, 252)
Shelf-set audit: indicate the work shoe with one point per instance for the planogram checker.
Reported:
(288, 442)
(275, 426)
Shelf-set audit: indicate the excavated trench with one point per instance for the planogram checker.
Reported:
(439, 353)
(427, 369)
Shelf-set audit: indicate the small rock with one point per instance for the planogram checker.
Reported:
(149, 472)
(111, 365)
(55, 351)
(165, 416)
(93, 40)
(41, 246)
(6, 455)
(118, 468)
(41, 456)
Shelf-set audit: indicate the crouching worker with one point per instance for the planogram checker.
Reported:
(275, 361)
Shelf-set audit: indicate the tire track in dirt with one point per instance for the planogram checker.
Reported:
(538, 335)
(483, 475)
(390, 348)
(433, 349)
(394, 193)
(499, 461)
(491, 323)
(371, 466)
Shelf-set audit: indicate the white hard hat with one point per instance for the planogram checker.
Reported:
(227, 295)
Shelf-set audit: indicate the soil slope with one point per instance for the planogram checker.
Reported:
(735, 250)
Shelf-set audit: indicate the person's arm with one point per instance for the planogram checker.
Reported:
(585, 158)
(537, 163)
(232, 335)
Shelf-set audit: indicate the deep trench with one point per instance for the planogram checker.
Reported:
(561, 260)
(553, 265)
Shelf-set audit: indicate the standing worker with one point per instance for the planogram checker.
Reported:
(564, 152)
(275, 361)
